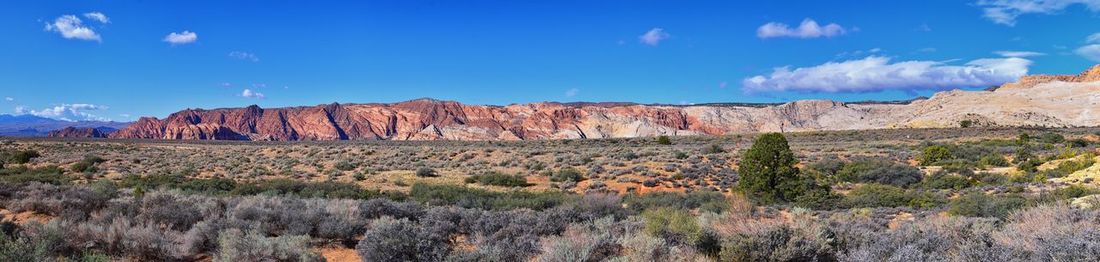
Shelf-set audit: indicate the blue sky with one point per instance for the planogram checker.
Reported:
(121, 60)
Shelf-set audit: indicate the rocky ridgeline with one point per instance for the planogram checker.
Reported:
(1056, 101)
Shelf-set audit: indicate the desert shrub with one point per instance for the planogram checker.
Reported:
(982, 205)
(673, 225)
(1078, 142)
(18, 157)
(87, 164)
(986, 178)
(820, 198)
(566, 175)
(498, 179)
(880, 171)
(875, 195)
(596, 240)
(234, 245)
(22, 174)
(705, 200)
(16, 247)
(931, 239)
(757, 237)
(993, 160)
(391, 239)
(1052, 138)
(1070, 166)
(325, 189)
(1029, 165)
(944, 180)
(344, 165)
(482, 199)
(1069, 192)
(713, 149)
(426, 172)
(664, 140)
(966, 123)
(933, 154)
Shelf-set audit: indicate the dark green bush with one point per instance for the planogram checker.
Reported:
(87, 164)
(498, 179)
(944, 180)
(676, 226)
(566, 174)
(979, 204)
(19, 157)
(933, 154)
(426, 172)
(664, 140)
(880, 171)
(876, 195)
(1052, 138)
(22, 174)
(996, 160)
(482, 199)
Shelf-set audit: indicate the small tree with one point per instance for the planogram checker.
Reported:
(767, 169)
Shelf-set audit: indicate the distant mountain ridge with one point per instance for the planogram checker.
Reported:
(1034, 101)
(34, 126)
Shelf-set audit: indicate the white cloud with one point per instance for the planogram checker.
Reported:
(248, 93)
(70, 27)
(98, 17)
(808, 29)
(1093, 38)
(1018, 53)
(185, 37)
(572, 92)
(1091, 52)
(1005, 12)
(654, 36)
(67, 112)
(8, 98)
(244, 56)
(877, 73)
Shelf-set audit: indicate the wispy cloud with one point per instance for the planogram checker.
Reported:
(1091, 50)
(244, 56)
(185, 37)
(654, 36)
(572, 92)
(808, 29)
(97, 16)
(67, 112)
(877, 73)
(9, 99)
(248, 93)
(71, 27)
(924, 28)
(1018, 53)
(1005, 12)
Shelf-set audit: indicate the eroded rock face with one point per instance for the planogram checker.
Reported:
(1034, 100)
(78, 132)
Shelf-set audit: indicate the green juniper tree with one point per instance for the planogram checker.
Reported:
(768, 172)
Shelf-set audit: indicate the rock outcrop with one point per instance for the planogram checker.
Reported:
(1033, 101)
(78, 132)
